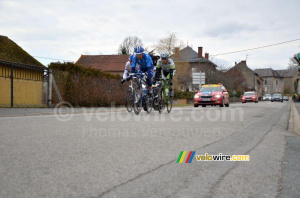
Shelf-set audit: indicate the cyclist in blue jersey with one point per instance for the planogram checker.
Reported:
(145, 62)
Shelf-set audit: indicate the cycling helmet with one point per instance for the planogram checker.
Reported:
(164, 55)
(139, 50)
(130, 57)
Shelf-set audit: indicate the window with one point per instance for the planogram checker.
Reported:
(266, 82)
(276, 82)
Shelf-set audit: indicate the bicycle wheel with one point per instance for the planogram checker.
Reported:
(169, 103)
(148, 101)
(161, 101)
(129, 99)
(137, 100)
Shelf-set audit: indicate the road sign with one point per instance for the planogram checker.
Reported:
(198, 78)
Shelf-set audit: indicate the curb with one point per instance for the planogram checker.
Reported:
(296, 119)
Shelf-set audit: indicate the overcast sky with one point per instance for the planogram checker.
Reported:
(66, 29)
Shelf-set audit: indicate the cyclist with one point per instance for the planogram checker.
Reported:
(166, 67)
(127, 69)
(146, 65)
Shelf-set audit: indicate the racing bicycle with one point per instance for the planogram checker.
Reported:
(141, 97)
(164, 98)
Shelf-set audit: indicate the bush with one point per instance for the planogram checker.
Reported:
(183, 94)
(82, 86)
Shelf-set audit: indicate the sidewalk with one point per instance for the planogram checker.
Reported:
(15, 112)
(296, 117)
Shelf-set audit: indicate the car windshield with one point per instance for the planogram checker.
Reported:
(210, 89)
(277, 95)
(267, 95)
(248, 94)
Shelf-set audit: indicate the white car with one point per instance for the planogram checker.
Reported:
(267, 97)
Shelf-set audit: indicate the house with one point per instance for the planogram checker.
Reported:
(272, 80)
(196, 60)
(21, 77)
(196, 63)
(109, 63)
(290, 77)
(241, 76)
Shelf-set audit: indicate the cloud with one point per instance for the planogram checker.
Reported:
(229, 30)
(66, 29)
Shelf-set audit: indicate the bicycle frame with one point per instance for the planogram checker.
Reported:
(165, 86)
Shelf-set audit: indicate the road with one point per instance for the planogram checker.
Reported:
(120, 154)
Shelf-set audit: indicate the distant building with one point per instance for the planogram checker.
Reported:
(109, 63)
(196, 60)
(249, 79)
(290, 77)
(272, 80)
(196, 63)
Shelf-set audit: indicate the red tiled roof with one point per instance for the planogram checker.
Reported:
(108, 63)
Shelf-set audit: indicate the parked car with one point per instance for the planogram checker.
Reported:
(277, 97)
(211, 94)
(249, 96)
(267, 97)
(285, 98)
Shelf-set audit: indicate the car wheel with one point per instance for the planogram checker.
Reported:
(222, 105)
(196, 105)
(227, 105)
(203, 105)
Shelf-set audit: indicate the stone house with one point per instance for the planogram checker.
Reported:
(245, 78)
(272, 81)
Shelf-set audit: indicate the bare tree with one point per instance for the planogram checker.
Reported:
(128, 45)
(168, 44)
(293, 62)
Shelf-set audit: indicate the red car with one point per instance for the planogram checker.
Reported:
(250, 96)
(214, 94)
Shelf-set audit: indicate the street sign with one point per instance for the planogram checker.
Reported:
(198, 78)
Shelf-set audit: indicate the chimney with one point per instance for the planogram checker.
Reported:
(207, 55)
(200, 52)
(244, 62)
(176, 53)
(235, 63)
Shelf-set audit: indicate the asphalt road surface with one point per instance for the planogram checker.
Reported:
(120, 154)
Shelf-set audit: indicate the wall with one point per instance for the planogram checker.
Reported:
(28, 87)
(278, 84)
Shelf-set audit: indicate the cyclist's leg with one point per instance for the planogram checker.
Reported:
(168, 78)
(149, 77)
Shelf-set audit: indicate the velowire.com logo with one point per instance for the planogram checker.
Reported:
(206, 157)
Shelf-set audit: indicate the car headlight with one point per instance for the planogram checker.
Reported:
(218, 96)
(196, 96)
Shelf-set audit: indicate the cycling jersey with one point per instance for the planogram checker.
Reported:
(166, 67)
(145, 62)
(128, 69)
(146, 65)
